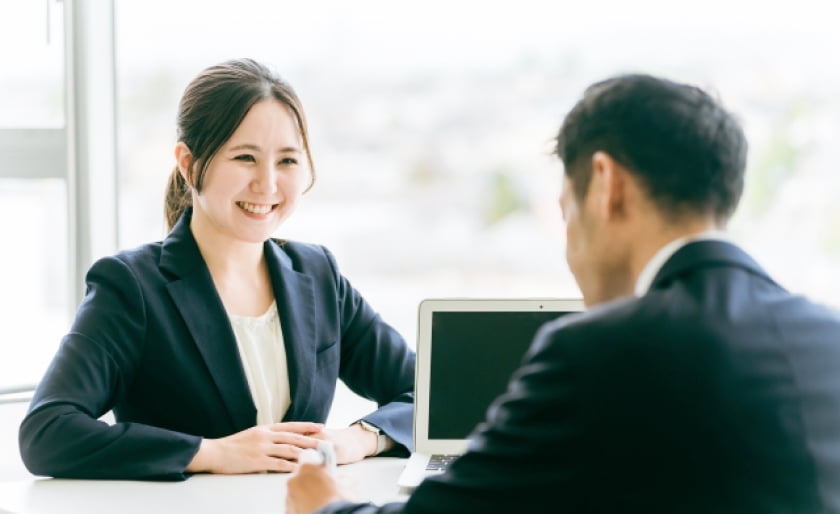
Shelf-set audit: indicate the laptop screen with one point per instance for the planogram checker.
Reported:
(472, 359)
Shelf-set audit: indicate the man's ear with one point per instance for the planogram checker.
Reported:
(609, 186)
(183, 159)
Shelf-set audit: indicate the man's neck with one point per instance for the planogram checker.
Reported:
(653, 251)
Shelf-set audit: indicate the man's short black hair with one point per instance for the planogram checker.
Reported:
(685, 149)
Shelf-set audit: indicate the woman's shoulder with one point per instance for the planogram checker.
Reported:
(138, 257)
(126, 267)
(148, 251)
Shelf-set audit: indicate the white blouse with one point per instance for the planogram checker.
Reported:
(260, 342)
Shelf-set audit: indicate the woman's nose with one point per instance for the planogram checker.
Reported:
(265, 181)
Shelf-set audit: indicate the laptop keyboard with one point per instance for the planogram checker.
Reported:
(440, 462)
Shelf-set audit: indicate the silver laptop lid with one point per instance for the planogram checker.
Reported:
(467, 349)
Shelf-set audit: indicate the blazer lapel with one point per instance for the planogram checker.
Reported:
(201, 308)
(295, 296)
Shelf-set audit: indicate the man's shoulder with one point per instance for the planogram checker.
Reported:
(609, 323)
(626, 327)
(616, 315)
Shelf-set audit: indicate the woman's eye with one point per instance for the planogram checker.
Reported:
(288, 161)
(244, 158)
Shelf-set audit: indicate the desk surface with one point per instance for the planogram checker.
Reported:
(374, 479)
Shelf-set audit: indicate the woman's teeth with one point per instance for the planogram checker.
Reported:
(252, 207)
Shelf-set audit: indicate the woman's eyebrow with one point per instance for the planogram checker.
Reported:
(251, 146)
(245, 146)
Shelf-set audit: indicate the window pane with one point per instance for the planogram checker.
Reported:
(34, 263)
(32, 75)
(33, 271)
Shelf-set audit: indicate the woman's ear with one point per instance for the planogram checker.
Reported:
(183, 158)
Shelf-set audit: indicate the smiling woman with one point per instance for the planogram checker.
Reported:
(219, 348)
(256, 176)
(255, 132)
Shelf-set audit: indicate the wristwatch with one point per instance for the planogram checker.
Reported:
(381, 439)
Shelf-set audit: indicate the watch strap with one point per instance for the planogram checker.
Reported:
(381, 438)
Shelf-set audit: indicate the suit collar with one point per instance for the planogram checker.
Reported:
(179, 254)
(705, 253)
(294, 293)
(651, 269)
(201, 308)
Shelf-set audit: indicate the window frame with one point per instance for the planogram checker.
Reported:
(83, 152)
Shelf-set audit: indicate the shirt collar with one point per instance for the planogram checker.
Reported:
(645, 278)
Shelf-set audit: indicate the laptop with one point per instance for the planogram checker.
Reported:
(467, 350)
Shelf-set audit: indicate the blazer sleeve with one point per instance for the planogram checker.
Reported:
(522, 458)
(61, 435)
(376, 364)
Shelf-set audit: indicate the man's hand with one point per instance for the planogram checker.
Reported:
(262, 448)
(311, 488)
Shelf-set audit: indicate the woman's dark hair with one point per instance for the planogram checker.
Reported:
(685, 149)
(212, 107)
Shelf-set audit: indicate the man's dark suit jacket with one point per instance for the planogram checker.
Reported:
(718, 391)
(152, 341)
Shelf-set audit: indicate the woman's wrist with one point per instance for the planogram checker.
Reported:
(383, 442)
(202, 461)
(367, 440)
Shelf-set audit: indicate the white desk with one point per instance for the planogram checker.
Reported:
(375, 480)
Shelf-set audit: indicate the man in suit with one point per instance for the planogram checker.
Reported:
(693, 383)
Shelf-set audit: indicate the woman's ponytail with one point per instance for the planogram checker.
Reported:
(178, 197)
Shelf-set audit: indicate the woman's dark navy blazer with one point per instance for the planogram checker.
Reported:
(151, 341)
